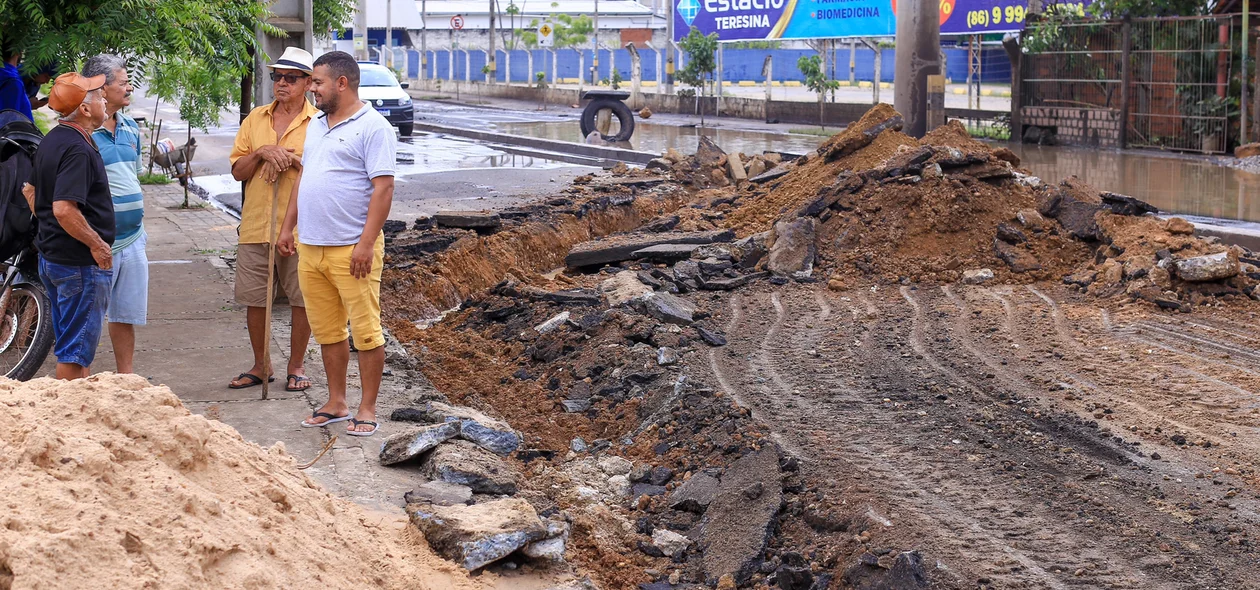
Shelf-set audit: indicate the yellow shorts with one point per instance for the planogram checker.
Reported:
(333, 297)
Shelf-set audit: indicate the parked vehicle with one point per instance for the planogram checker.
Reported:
(26, 334)
(379, 87)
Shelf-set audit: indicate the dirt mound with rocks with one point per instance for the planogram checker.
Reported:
(110, 482)
(874, 205)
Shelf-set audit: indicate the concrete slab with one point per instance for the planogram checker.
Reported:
(268, 422)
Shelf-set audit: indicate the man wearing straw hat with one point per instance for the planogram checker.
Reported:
(267, 156)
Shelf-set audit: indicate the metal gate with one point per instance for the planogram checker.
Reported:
(1160, 83)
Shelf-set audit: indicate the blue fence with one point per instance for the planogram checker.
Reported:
(737, 64)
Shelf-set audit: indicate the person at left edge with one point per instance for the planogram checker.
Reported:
(75, 217)
(12, 88)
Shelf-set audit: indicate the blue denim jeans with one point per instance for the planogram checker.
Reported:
(80, 296)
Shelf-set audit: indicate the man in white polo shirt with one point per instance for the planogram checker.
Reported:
(338, 206)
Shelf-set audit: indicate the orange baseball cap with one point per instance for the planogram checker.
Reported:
(70, 89)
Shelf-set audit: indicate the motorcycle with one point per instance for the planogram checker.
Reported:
(26, 334)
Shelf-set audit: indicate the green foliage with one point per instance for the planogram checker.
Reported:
(756, 45)
(701, 62)
(192, 52)
(815, 77)
(1115, 9)
(616, 80)
(567, 31)
(330, 16)
(154, 179)
(200, 91)
(816, 80)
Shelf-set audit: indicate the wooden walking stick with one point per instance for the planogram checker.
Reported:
(271, 278)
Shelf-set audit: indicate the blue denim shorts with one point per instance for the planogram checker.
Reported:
(80, 296)
(129, 289)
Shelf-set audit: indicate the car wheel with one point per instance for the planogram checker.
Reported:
(404, 129)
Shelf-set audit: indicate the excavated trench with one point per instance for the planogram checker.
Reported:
(934, 434)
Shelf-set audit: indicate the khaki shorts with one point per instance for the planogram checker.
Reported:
(334, 297)
(251, 276)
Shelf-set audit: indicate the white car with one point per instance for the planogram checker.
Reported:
(380, 88)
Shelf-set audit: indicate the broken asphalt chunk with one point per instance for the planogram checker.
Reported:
(478, 535)
(1207, 268)
(615, 249)
(735, 529)
(711, 337)
(666, 308)
(491, 434)
(468, 219)
(415, 442)
(695, 494)
(463, 463)
(440, 493)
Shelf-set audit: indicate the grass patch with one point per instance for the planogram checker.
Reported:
(147, 178)
(989, 132)
(820, 132)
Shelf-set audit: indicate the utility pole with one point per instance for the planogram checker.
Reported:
(490, 55)
(669, 49)
(389, 33)
(424, 32)
(595, 34)
(918, 56)
(1242, 104)
(360, 31)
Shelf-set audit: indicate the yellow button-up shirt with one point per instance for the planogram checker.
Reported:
(258, 130)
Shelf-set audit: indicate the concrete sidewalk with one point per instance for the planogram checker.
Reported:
(196, 342)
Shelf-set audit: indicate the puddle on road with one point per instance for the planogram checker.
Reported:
(425, 153)
(655, 138)
(1174, 183)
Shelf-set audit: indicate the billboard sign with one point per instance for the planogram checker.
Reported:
(756, 20)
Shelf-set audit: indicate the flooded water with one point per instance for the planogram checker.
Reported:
(1174, 183)
(425, 153)
(655, 138)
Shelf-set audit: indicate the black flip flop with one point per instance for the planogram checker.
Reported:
(356, 424)
(298, 379)
(251, 379)
(328, 419)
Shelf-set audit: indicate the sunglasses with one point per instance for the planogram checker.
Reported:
(290, 78)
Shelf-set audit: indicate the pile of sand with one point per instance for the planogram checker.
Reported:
(112, 483)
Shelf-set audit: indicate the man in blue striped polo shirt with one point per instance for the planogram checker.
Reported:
(118, 140)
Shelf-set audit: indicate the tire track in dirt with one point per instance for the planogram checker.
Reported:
(1088, 360)
(1102, 451)
(993, 535)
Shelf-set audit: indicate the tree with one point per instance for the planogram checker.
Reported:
(510, 41)
(816, 80)
(193, 52)
(701, 63)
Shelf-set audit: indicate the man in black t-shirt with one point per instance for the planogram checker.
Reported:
(76, 222)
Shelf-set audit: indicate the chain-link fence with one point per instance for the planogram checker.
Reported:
(1160, 83)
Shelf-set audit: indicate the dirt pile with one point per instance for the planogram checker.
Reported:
(945, 208)
(619, 439)
(111, 482)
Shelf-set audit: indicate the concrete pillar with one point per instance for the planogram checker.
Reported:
(467, 66)
(294, 18)
(636, 77)
(852, 62)
(507, 65)
(918, 56)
